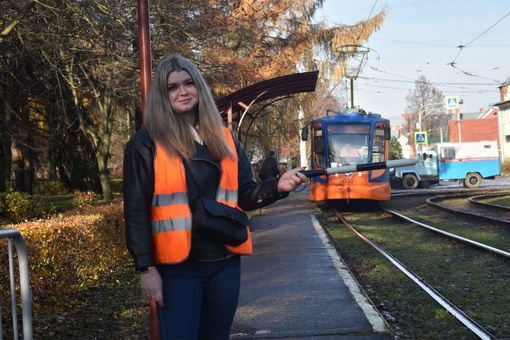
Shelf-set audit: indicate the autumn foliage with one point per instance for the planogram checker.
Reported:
(68, 254)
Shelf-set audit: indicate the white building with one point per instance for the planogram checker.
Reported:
(503, 107)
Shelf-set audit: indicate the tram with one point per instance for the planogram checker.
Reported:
(346, 138)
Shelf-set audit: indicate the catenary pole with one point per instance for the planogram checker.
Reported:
(145, 51)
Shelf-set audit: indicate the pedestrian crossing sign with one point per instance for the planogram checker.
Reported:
(420, 137)
(452, 102)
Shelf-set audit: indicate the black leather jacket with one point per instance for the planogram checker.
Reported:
(139, 188)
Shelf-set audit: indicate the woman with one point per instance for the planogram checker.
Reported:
(194, 280)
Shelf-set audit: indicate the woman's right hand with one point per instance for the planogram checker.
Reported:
(152, 286)
(291, 180)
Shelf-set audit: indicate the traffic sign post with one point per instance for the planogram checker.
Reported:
(452, 102)
(420, 138)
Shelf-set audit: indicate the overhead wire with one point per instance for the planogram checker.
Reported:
(437, 85)
(462, 47)
(365, 23)
(487, 30)
(453, 64)
(416, 81)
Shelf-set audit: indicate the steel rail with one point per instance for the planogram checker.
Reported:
(454, 310)
(450, 235)
(476, 201)
(431, 201)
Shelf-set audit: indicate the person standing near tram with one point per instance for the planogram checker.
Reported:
(269, 167)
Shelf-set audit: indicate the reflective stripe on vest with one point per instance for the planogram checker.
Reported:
(170, 212)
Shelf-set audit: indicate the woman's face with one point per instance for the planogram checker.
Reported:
(182, 93)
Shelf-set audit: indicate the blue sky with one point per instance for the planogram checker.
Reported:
(420, 37)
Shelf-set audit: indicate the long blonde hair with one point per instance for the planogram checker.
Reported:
(171, 129)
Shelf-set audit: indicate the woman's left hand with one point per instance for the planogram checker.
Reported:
(291, 180)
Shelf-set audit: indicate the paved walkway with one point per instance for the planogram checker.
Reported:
(295, 286)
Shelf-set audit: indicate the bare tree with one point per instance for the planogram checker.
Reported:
(426, 102)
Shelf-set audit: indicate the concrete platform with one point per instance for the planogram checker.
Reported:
(295, 286)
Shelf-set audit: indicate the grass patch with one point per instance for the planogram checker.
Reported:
(503, 200)
(113, 309)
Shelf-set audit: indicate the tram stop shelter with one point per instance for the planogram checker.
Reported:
(234, 106)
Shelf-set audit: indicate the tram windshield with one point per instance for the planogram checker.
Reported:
(348, 144)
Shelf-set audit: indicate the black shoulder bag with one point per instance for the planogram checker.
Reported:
(217, 220)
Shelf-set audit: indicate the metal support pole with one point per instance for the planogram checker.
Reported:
(458, 124)
(24, 281)
(145, 78)
(352, 92)
(145, 50)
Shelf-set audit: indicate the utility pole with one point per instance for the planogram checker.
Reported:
(458, 120)
(145, 77)
(453, 102)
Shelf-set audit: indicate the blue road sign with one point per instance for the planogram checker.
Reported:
(420, 137)
(452, 102)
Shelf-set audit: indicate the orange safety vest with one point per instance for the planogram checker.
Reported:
(170, 212)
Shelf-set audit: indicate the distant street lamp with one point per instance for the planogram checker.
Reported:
(431, 107)
(423, 109)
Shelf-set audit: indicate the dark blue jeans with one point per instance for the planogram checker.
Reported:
(200, 299)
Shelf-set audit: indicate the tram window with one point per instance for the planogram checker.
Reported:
(349, 129)
(320, 154)
(379, 132)
(378, 145)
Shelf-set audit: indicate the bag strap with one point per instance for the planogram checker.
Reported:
(190, 172)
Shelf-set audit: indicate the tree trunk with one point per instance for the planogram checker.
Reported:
(23, 157)
(5, 144)
(23, 169)
(104, 176)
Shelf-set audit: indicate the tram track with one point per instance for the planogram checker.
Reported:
(487, 212)
(453, 279)
(475, 221)
(474, 208)
(479, 200)
(471, 324)
(450, 235)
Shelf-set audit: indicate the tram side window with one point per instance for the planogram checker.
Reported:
(320, 153)
(378, 145)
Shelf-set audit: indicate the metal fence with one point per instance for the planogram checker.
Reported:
(24, 285)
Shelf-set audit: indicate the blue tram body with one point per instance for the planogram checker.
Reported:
(349, 137)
